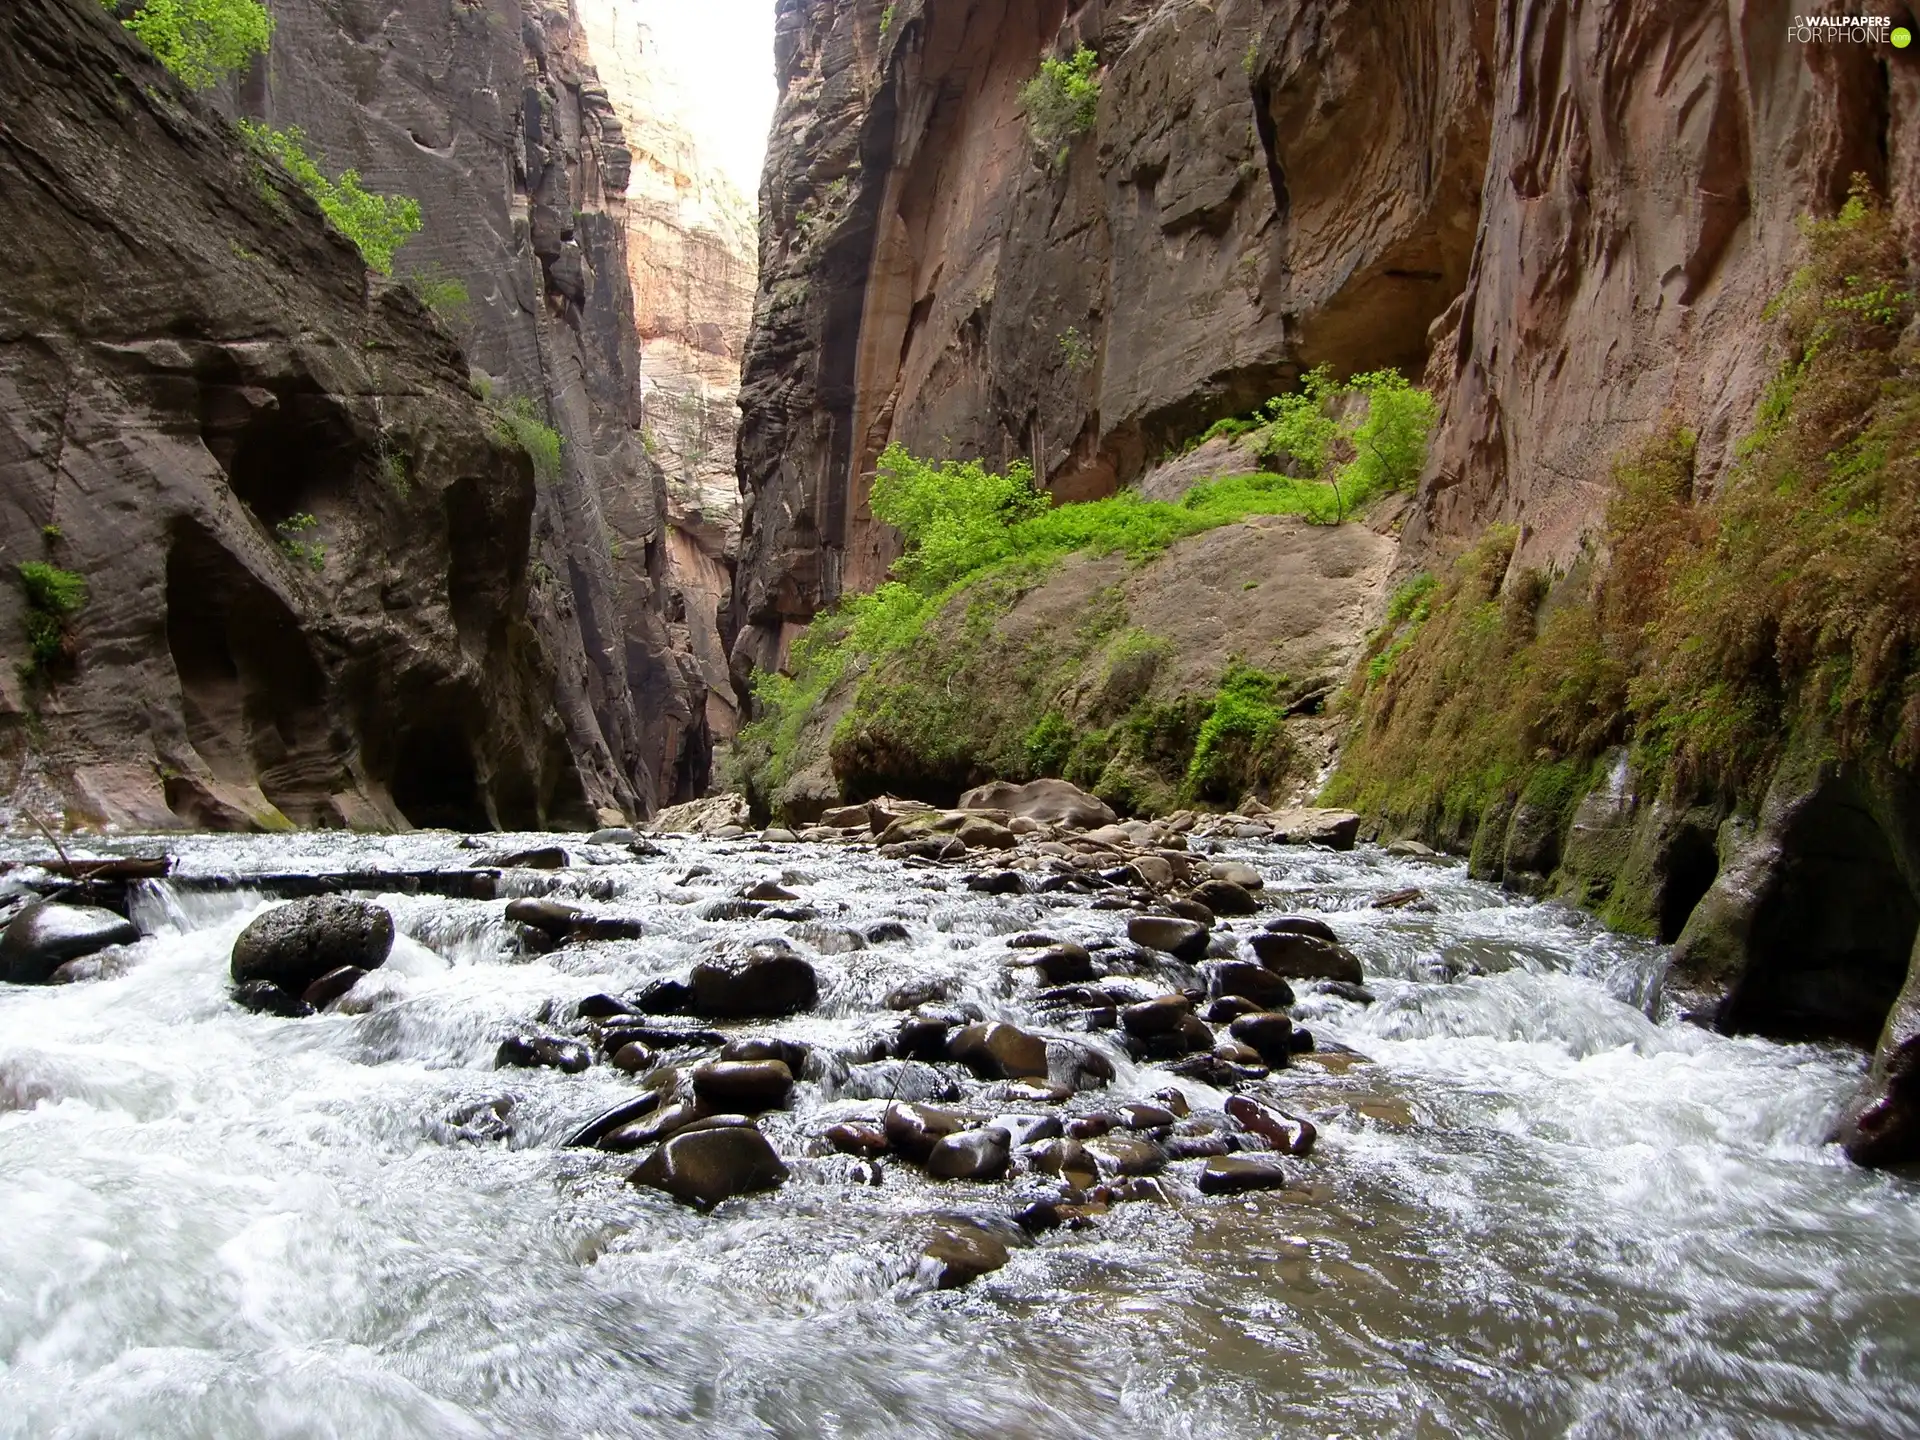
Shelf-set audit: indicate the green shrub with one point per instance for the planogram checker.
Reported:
(52, 596)
(378, 225)
(886, 21)
(1063, 100)
(201, 41)
(1242, 742)
(518, 422)
(1361, 451)
(290, 531)
(445, 295)
(1076, 351)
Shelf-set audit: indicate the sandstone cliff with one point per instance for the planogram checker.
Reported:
(492, 116)
(190, 363)
(690, 255)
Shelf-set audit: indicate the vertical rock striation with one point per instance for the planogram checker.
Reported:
(690, 253)
(489, 112)
(305, 549)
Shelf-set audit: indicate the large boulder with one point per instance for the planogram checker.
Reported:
(705, 1166)
(765, 980)
(1305, 957)
(997, 1051)
(971, 1155)
(1051, 802)
(1170, 934)
(294, 945)
(44, 936)
(707, 816)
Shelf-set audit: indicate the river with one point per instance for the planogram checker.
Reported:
(1535, 1212)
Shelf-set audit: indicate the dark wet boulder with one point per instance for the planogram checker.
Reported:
(1066, 1158)
(913, 1130)
(665, 997)
(541, 857)
(649, 1129)
(1270, 1036)
(542, 1052)
(332, 985)
(747, 1086)
(632, 1057)
(1169, 934)
(1229, 1008)
(888, 932)
(1196, 1147)
(1302, 1042)
(603, 1007)
(701, 1167)
(922, 1038)
(1139, 1115)
(293, 945)
(1223, 897)
(1303, 925)
(1190, 910)
(1238, 1174)
(1160, 1016)
(998, 882)
(1347, 990)
(980, 1154)
(1029, 1129)
(607, 1121)
(554, 918)
(765, 980)
(263, 997)
(1117, 1154)
(961, 1253)
(735, 910)
(1306, 957)
(1257, 1119)
(996, 1051)
(1247, 980)
(1236, 872)
(791, 1053)
(44, 936)
(1063, 964)
(857, 1137)
(768, 890)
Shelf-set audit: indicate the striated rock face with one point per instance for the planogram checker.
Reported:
(491, 115)
(189, 360)
(690, 254)
(928, 276)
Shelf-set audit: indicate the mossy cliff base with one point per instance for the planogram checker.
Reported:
(1193, 676)
(1708, 727)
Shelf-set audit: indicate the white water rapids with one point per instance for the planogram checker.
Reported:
(1537, 1213)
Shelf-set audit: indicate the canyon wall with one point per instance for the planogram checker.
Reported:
(490, 114)
(304, 547)
(690, 256)
(1570, 219)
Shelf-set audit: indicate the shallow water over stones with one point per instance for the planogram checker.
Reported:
(1529, 1209)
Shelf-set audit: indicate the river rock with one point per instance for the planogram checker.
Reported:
(970, 1155)
(1223, 897)
(1248, 980)
(263, 997)
(1160, 1016)
(293, 945)
(791, 1053)
(1169, 934)
(1028, 1129)
(768, 890)
(1051, 802)
(542, 1052)
(661, 1124)
(332, 985)
(764, 981)
(748, 1086)
(888, 932)
(913, 1130)
(632, 1057)
(625, 1113)
(1063, 964)
(1149, 870)
(977, 832)
(1303, 925)
(1305, 957)
(44, 936)
(1236, 872)
(857, 1137)
(555, 918)
(962, 1253)
(1000, 882)
(705, 1166)
(1066, 1158)
(1270, 1036)
(1238, 1174)
(996, 1051)
(1141, 1116)
(1127, 1155)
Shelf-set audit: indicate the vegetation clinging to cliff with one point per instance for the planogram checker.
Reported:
(1710, 631)
(378, 225)
(201, 41)
(964, 525)
(1063, 100)
(52, 596)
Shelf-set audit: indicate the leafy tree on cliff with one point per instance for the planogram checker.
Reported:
(201, 41)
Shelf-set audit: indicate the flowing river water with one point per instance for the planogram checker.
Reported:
(1536, 1212)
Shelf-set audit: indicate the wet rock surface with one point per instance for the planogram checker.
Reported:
(43, 936)
(294, 945)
